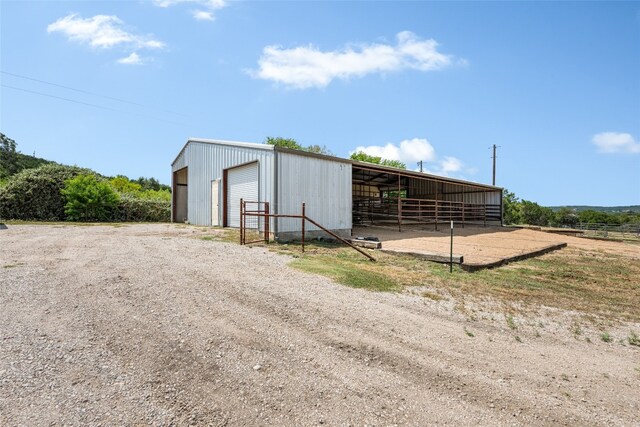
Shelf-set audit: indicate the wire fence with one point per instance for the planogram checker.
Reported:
(610, 231)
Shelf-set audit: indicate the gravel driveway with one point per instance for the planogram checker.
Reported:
(150, 325)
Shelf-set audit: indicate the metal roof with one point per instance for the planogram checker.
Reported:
(223, 142)
(387, 169)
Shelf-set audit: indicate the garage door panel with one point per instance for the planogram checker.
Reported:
(242, 183)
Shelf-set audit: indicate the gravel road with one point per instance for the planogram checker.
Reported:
(151, 325)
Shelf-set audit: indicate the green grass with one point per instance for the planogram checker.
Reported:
(343, 272)
(633, 339)
(71, 223)
(606, 337)
(510, 322)
(591, 283)
(433, 296)
(13, 265)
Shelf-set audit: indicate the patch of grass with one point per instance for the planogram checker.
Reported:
(633, 339)
(343, 272)
(604, 286)
(469, 333)
(606, 337)
(511, 322)
(576, 329)
(13, 265)
(207, 238)
(71, 223)
(433, 296)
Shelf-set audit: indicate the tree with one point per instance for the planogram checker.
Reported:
(565, 217)
(361, 156)
(122, 184)
(151, 184)
(292, 144)
(511, 208)
(319, 150)
(284, 143)
(89, 199)
(8, 155)
(534, 214)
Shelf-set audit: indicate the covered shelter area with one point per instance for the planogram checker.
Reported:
(389, 196)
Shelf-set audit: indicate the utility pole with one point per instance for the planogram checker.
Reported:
(494, 164)
(420, 164)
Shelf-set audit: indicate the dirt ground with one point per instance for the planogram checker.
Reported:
(154, 325)
(480, 245)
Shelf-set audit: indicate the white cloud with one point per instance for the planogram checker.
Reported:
(212, 4)
(411, 151)
(101, 31)
(201, 15)
(616, 142)
(307, 66)
(408, 151)
(133, 59)
(449, 165)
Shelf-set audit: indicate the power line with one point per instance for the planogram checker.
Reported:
(89, 104)
(90, 93)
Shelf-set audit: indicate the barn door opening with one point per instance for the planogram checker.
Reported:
(241, 182)
(180, 193)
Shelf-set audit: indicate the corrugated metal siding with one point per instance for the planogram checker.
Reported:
(242, 183)
(206, 163)
(325, 187)
(180, 161)
(453, 192)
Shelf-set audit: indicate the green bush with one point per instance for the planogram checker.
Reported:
(131, 208)
(89, 199)
(35, 194)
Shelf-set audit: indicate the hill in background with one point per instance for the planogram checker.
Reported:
(607, 209)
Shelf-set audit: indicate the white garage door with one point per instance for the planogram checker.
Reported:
(242, 183)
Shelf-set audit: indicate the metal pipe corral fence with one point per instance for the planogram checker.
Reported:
(267, 216)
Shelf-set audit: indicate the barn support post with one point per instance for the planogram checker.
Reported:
(463, 211)
(399, 207)
(484, 207)
(436, 228)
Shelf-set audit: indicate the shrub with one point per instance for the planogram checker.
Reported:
(156, 195)
(131, 208)
(35, 194)
(122, 184)
(89, 199)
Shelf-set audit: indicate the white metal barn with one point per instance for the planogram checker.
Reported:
(209, 177)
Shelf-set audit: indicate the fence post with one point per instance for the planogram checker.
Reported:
(451, 251)
(267, 220)
(241, 220)
(303, 220)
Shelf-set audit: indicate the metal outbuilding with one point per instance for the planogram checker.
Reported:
(209, 177)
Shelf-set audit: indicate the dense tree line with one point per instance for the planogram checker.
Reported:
(517, 211)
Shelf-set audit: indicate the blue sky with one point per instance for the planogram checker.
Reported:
(555, 85)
